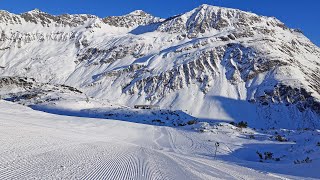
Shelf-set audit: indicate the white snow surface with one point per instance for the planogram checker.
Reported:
(37, 145)
(79, 77)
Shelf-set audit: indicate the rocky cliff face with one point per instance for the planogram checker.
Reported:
(215, 63)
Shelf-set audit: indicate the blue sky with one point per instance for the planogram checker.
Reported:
(304, 15)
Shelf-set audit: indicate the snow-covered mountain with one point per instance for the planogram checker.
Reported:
(213, 63)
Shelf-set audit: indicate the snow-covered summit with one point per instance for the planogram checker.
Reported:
(138, 13)
(131, 20)
(35, 11)
(208, 18)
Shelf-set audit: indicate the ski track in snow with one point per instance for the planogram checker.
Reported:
(36, 145)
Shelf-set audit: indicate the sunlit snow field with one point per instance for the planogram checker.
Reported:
(38, 145)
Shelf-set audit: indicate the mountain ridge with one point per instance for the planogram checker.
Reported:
(188, 62)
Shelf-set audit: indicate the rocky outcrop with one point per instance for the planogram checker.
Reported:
(283, 94)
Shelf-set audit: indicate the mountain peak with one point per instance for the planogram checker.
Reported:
(133, 19)
(205, 6)
(35, 11)
(207, 17)
(138, 13)
(4, 12)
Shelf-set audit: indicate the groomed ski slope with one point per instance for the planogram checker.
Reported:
(37, 145)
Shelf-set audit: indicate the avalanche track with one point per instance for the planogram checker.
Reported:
(37, 145)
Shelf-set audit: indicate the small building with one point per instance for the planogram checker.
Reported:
(146, 107)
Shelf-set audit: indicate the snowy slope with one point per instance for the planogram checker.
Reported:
(213, 63)
(37, 145)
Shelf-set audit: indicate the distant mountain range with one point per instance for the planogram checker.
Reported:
(213, 63)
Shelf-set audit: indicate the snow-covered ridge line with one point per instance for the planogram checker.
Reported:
(134, 18)
(36, 16)
(207, 62)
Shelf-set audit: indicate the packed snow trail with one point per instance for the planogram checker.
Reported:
(37, 145)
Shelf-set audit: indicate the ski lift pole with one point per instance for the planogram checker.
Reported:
(217, 144)
(87, 98)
